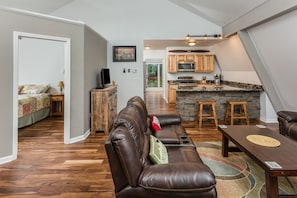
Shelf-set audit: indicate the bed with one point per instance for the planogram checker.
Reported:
(33, 104)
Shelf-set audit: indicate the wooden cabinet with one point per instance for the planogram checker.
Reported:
(172, 93)
(204, 63)
(103, 108)
(57, 104)
(172, 64)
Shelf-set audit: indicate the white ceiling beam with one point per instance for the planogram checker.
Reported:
(261, 70)
(265, 12)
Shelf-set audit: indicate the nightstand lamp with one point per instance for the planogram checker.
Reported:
(61, 85)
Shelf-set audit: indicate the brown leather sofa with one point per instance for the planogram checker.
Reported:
(171, 132)
(135, 175)
(288, 123)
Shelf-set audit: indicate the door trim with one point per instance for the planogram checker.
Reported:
(66, 41)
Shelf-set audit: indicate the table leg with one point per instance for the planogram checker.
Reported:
(225, 146)
(271, 185)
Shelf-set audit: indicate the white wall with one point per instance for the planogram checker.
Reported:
(267, 112)
(41, 62)
(234, 61)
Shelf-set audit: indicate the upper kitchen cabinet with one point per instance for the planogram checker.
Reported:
(204, 63)
(172, 64)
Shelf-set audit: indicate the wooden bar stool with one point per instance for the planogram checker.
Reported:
(242, 114)
(210, 115)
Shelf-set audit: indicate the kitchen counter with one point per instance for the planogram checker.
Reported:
(188, 96)
(212, 88)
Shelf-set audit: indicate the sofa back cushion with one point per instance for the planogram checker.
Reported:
(139, 106)
(130, 143)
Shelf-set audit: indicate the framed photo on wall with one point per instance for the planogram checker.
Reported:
(124, 53)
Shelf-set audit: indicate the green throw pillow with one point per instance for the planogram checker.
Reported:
(158, 152)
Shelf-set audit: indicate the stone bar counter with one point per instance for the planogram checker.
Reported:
(187, 98)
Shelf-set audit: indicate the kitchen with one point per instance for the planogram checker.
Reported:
(227, 54)
(185, 91)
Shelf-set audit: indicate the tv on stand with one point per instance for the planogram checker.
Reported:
(104, 79)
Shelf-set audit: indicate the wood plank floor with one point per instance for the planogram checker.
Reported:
(47, 167)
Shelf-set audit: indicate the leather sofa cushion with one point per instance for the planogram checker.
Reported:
(290, 116)
(168, 119)
(183, 176)
(292, 131)
(170, 134)
(183, 154)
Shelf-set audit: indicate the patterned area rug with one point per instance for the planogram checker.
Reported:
(237, 175)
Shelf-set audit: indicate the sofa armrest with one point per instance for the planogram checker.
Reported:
(289, 116)
(182, 176)
(168, 119)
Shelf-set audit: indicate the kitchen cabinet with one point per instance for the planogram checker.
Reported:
(172, 93)
(204, 63)
(172, 64)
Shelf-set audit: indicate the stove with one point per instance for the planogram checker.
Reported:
(186, 82)
(185, 79)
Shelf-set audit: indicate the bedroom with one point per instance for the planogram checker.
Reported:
(41, 68)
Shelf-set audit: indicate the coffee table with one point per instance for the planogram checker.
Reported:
(284, 155)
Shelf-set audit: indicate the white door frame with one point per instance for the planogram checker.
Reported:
(66, 41)
(159, 88)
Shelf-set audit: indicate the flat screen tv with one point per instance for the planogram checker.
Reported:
(105, 77)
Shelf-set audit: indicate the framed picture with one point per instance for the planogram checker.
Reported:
(124, 53)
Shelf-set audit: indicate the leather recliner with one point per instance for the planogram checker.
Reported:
(134, 174)
(288, 123)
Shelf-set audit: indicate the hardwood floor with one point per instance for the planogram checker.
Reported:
(47, 167)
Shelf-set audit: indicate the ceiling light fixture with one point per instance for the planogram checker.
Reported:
(192, 41)
(206, 36)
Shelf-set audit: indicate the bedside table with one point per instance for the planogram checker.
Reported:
(57, 104)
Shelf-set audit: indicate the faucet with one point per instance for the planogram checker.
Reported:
(217, 79)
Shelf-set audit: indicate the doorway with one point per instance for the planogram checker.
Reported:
(154, 75)
(65, 42)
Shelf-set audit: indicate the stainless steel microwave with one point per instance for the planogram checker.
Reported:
(186, 66)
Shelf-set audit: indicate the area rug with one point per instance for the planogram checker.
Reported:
(238, 176)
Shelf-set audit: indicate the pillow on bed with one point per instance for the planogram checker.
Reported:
(35, 89)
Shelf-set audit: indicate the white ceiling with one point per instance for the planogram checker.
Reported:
(220, 12)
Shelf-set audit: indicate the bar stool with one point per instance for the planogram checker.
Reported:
(243, 115)
(210, 115)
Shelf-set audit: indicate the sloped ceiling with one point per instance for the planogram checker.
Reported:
(217, 11)
(220, 12)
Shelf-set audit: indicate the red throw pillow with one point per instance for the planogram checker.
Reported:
(156, 124)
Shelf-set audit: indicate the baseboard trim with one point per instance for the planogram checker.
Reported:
(7, 159)
(273, 120)
(80, 138)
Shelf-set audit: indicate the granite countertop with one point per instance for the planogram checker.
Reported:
(214, 88)
(211, 87)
